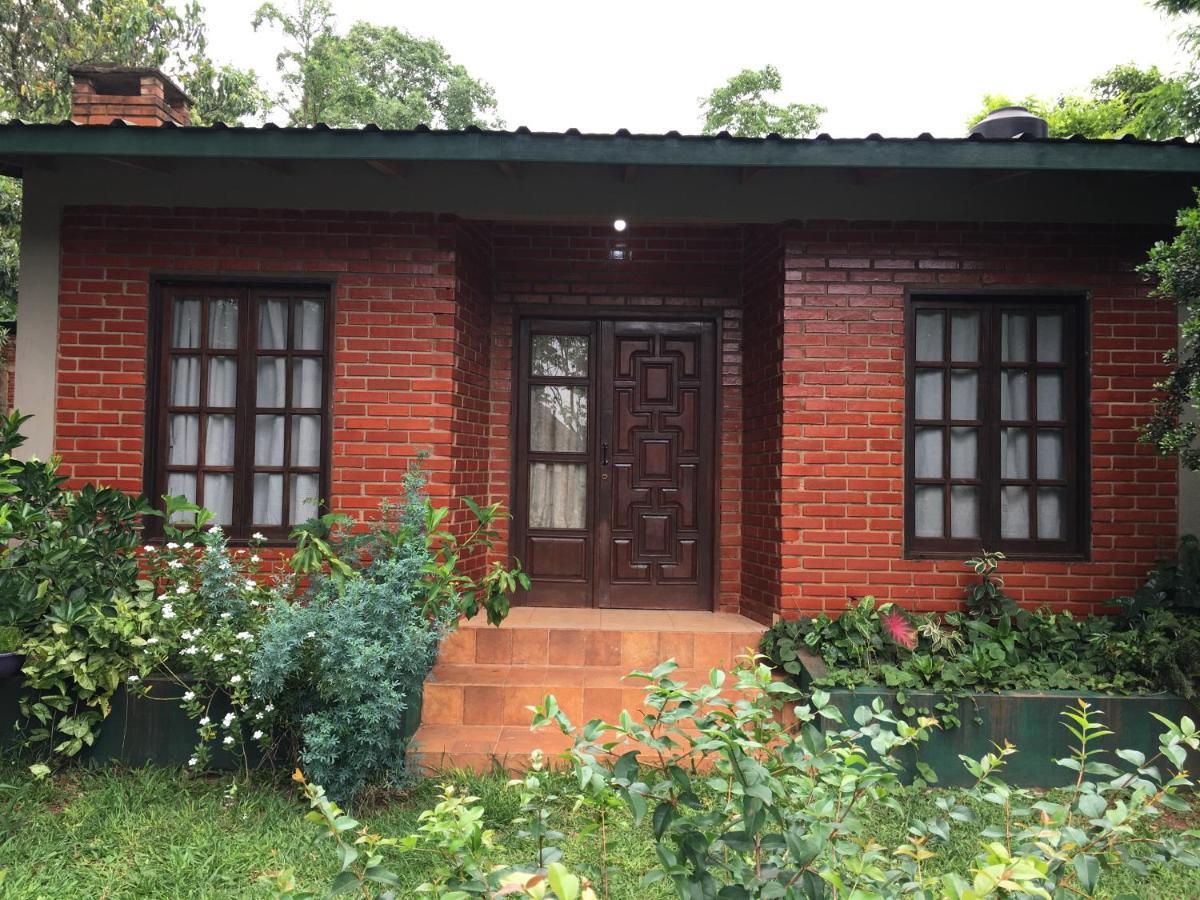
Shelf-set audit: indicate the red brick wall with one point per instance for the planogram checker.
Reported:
(811, 444)
(844, 402)
(394, 350)
(568, 267)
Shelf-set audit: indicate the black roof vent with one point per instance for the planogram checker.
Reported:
(1009, 121)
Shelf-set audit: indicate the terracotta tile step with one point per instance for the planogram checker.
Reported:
(482, 748)
(574, 646)
(579, 676)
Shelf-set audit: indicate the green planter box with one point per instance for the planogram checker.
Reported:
(1029, 720)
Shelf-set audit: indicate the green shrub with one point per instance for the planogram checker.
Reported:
(1173, 584)
(10, 638)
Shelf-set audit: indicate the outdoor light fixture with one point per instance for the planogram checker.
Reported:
(620, 225)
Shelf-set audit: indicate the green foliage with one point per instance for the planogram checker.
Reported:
(1175, 267)
(1123, 100)
(67, 579)
(11, 639)
(10, 249)
(743, 106)
(371, 74)
(986, 599)
(1174, 584)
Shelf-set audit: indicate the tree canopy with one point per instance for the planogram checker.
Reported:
(745, 107)
(1124, 100)
(371, 74)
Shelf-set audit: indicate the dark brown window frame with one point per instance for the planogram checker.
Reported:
(1075, 544)
(249, 290)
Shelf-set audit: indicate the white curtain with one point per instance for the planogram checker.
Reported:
(557, 495)
(558, 423)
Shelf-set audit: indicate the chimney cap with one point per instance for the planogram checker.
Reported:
(113, 78)
(1010, 121)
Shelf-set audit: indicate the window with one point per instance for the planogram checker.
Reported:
(994, 442)
(240, 411)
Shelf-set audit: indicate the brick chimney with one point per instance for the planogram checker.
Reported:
(103, 92)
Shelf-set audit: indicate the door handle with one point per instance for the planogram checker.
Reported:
(603, 453)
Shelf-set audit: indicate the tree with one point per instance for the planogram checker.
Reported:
(743, 106)
(1124, 100)
(372, 74)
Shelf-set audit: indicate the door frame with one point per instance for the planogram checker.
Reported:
(527, 311)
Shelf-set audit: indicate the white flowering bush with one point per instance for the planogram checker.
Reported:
(212, 602)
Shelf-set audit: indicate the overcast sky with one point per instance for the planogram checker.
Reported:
(898, 68)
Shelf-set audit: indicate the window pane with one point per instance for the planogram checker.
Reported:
(185, 324)
(218, 441)
(1050, 396)
(182, 484)
(929, 336)
(268, 440)
(964, 394)
(558, 418)
(306, 383)
(272, 387)
(964, 336)
(1014, 337)
(1050, 338)
(222, 381)
(309, 326)
(928, 453)
(559, 356)
(185, 381)
(557, 495)
(929, 394)
(222, 324)
(1014, 512)
(184, 439)
(1014, 452)
(272, 324)
(268, 499)
(1050, 523)
(964, 511)
(305, 491)
(306, 441)
(964, 453)
(928, 513)
(218, 497)
(1050, 453)
(1014, 394)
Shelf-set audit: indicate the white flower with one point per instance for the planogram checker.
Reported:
(228, 740)
(162, 597)
(228, 720)
(226, 615)
(217, 657)
(182, 589)
(189, 696)
(236, 679)
(258, 717)
(268, 707)
(171, 545)
(193, 761)
(188, 546)
(259, 536)
(251, 584)
(255, 558)
(311, 634)
(257, 735)
(168, 611)
(175, 564)
(255, 603)
(151, 640)
(186, 635)
(188, 651)
(244, 636)
(133, 679)
(204, 720)
(149, 548)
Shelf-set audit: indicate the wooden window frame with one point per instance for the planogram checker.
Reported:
(1075, 544)
(249, 292)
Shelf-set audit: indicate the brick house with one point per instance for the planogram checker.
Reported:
(803, 370)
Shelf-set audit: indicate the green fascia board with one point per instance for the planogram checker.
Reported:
(20, 140)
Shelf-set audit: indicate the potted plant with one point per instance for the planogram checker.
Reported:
(11, 661)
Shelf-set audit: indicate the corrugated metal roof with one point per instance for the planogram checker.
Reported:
(19, 141)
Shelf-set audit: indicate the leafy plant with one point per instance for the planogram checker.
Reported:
(1172, 584)
(986, 599)
(10, 639)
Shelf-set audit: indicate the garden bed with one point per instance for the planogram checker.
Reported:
(1030, 720)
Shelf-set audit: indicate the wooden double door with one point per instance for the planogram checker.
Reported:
(615, 462)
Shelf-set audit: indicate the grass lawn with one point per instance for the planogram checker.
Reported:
(115, 833)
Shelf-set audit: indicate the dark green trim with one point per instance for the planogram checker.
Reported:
(18, 141)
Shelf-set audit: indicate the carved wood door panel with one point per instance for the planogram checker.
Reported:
(615, 463)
